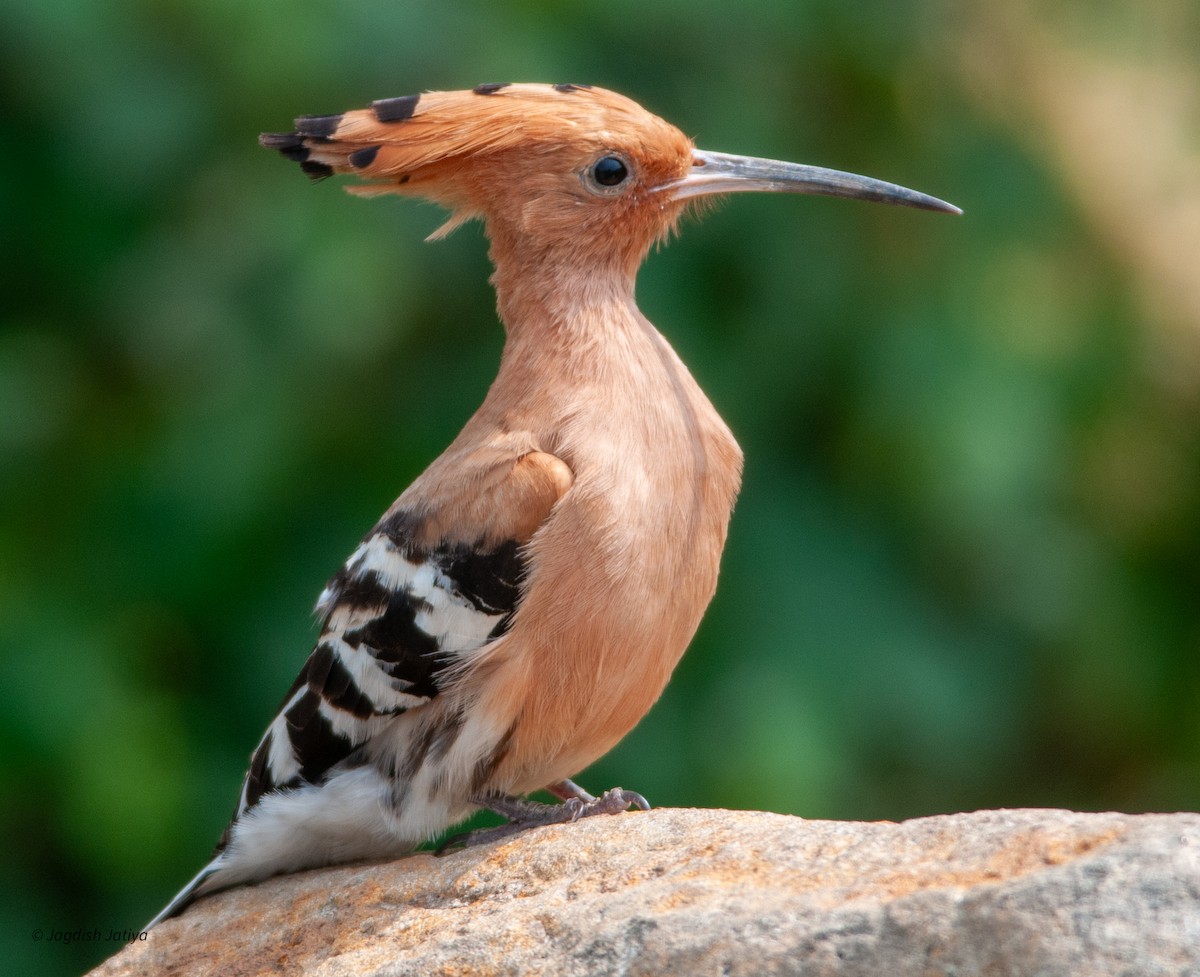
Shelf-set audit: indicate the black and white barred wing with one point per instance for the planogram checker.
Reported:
(393, 618)
(399, 619)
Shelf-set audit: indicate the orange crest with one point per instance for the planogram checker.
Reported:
(540, 159)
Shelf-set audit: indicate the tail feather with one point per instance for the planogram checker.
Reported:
(186, 896)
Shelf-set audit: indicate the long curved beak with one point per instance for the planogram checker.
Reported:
(723, 173)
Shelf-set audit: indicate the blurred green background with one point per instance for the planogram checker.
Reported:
(963, 570)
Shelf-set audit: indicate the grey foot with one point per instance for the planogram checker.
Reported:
(566, 790)
(523, 814)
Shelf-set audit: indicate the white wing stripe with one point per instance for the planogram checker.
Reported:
(385, 692)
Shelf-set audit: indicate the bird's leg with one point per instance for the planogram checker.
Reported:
(521, 813)
(566, 790)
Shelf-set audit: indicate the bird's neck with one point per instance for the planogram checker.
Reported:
(541, 293)
(564, 315)
(590, 379)
(583, 367)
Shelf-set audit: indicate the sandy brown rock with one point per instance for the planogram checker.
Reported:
(728, 893)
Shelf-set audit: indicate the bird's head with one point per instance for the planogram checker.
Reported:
(580, 174)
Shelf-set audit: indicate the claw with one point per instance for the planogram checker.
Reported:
(616, 800)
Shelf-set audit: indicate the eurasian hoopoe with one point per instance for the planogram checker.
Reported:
(521, 606)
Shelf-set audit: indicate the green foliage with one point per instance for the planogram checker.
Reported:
(962, 570)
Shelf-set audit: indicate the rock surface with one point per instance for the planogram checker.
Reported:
(727, 893)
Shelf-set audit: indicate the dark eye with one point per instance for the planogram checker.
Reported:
(609, 171)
